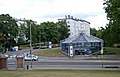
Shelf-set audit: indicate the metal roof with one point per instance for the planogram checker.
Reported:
(81, 38)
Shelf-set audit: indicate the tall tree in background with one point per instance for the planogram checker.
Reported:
(49, 32)
(112, 30)
(33, 30)
(93, 31)
(23, 33)
(63, 29)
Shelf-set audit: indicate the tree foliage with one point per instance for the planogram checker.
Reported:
(46, 31)
(8, 29)
(93, 31)
(49, 32)
(111, 34)
(63, 29)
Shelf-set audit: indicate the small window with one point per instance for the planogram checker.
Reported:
(68, 25)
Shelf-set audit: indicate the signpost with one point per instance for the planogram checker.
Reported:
(50, 46)
(71, 51)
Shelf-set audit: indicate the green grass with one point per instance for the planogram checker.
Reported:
(50, 52)
(110, 51)
(60, 73)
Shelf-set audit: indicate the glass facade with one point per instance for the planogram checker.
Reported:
(80, 46)
(86, 48)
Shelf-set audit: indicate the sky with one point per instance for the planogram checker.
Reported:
(52, 10)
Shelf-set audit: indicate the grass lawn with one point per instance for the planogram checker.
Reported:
(55, 52)
(60, 73)
(110, 51)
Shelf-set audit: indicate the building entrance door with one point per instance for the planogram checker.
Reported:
(79, 52)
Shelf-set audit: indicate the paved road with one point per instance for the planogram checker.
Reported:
(67, 63)
(74, 64)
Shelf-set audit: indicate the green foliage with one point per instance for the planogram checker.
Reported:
(54, 32)
(48, 31)
(111, 34)
(63, 29)
(8, 25)
(8, 28)
(93, 31)
(44, 32)
(2, 38)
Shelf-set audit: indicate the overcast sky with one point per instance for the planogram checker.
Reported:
(52, 10)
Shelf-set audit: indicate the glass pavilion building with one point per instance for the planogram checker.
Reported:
(80, 42)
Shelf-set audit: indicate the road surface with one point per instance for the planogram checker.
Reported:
(69, 63)
(74, 64)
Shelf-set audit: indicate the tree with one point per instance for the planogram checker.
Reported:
(49, 32)
(8, 29)
(22, 33)
(112, 31)
(62, 29)
(34, 30)
(93, 31)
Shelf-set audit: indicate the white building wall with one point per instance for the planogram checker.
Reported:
(77, 26)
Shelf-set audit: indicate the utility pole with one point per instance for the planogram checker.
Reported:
(30, 45)
(30, 23)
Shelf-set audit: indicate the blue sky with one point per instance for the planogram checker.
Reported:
(51, 10)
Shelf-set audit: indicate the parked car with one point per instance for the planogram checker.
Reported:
(31, 58)
(43, 47)
(36, 47)
(55, 45)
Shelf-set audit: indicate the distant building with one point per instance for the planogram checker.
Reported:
(80, 41)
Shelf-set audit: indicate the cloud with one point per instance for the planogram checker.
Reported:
(51, 10)
(97, 21)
